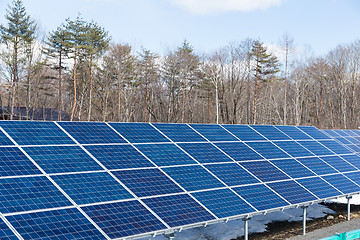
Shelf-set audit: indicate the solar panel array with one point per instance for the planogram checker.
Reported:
(83, 180)
(349, 138)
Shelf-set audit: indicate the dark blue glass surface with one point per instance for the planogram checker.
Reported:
(60, 159)
(35, 133)
(147, 182)
(270, 132)
(331, 132)
(293, 148)
(264, 171)
(178, 210)
(13, 162)
(139, 132)
(91, 132)
(261, 197)
(293, 168)
(214, 132)
(244, 132)
(353, 159)
(239, 151)
(119, 156)
(6, 233)
(29, 193)
(55, 225)
(353, 140)
(313, 132)
(223, 203)
(338, 163)
(354, 148)
(205, 152)
(179, 132)
(193, 177)
(335, 147)
(319, 187)
(343, 140)
(268, 150)
(355, 176)
(317, 165)
(123, 219)
(350, 132)
(232, 174)
(293, 132)
(292, 192)
(342, 183)
(165, 154)
(341, 132)
(316, 148)
(87, 188)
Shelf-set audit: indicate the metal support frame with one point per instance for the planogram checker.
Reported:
(348, 207)
(246, 227)
(304, 219)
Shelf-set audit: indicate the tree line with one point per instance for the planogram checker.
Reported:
(76, 68)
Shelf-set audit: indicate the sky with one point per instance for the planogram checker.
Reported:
(163, 25)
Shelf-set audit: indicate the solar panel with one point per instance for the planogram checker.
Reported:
(213, 132)
(319, 187)
(179, 132)
(294, 132)
(6, 233)
(205, 152)
(293, 148)
(293, 168)
(268, 150)
(264, 170)
(342, 183)
(244, 133)
(313, 132)
(338, 163)
(238, 151)
(270, 132)
(317, 165)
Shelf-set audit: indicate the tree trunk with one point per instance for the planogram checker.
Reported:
(255, 97)
(90, 89)
(74, 106)
(60, 79)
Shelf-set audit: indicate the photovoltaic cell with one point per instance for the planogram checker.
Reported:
(4, 140)
(355, 176)
(293, 148)
(260, 196)
(35, 133)
(223, 203)
(335, 147)
(139, 132)
(123, 218)
(316, 148)
(13, 163)
(293, 132)
(87, 188)
(205, 152)
(118, 156)
(91, 132)
(338, 163)
(332, 133)
(189, 175)
(178, 210)
(319, 187)
(179, 132)
(264, 171)
(239, 151)
(165, 154)
(270, 132)
(353, 159)
(213, 132)
(342, 183)
(313, 132)
(61, 159)
(56, 224)
(317, 165)
(268, 150)
(244, 132)
(147, 182)
(6, 233)
(29, 193)
(232, 174)
(293, 168)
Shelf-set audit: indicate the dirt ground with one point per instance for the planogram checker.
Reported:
(284, 229)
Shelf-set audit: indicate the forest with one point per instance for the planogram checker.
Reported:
(78, 69)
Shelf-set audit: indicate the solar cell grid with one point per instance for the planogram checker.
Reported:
(293, 148)
(268, 150)
(205, 152)
(353, 159)
(293, 132)
(338, 163)
(319, 187)
(313, 132)
(264, 170)
(179, 132)
(316, 148)
(213, 132)
(270, 132)
(342, 183)
(5, 232)
(335, 147)
(244, 132)
(317, 165)
(293, 168)
(239, 151)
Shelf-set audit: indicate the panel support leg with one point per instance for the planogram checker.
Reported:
(246, 228)
(348, 207)
(304, 219)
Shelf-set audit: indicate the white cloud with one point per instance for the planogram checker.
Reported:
(218, 6)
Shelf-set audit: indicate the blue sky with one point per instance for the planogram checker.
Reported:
(162, 25)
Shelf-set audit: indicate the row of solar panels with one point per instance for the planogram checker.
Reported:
(349, 138)
(81, 180)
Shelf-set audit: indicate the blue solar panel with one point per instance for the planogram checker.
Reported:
(260, 196)
(354, 148)
(270, 132)
(87, 188)
(293, 168)
(343, 140)
(264, 171)
(355, 176)
(292, 192)
(293, 148)
(338, 163)
(350, 132)
(165, 154)
(187, 176)
(56, 224)
(61, 159)
(119, 156)
(6, 233)
(91, 132)
(29, 193)
(205, 152)
(179, 132)
(313, 132)
(340, 132)
(35, 133)
(239, 151)
(317, 165)
(223, 203)
(4, 140)
(123, 218)
(139, 132)
(213, 132)
(147, 182)
(268, 150)
(178, 210)
(335, 147)
(353, 159)
(232, 174)
(13, 162)
(342, 183)
(315, 148)
(332, 133)
(293, 132)
(244, 132)
(319, 187)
